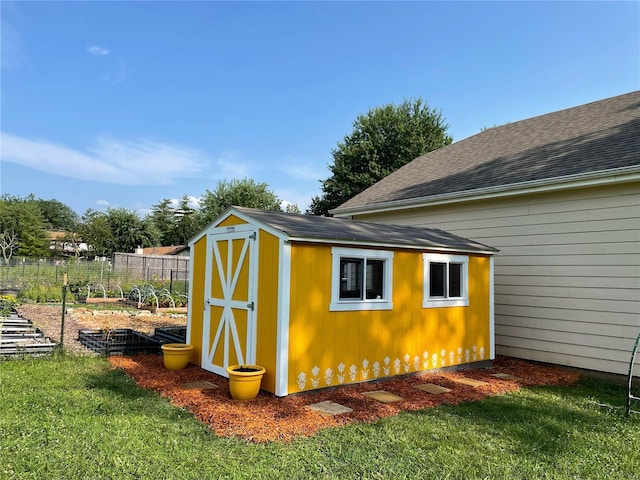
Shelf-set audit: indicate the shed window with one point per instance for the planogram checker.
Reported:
(361, 279)
(445, 280)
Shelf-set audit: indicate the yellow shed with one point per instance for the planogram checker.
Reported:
(321, 302)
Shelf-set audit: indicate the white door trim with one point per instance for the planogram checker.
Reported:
(226, 330)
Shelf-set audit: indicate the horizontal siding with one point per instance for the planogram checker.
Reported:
(580, 317)
(571, 270)
(576, 351)
(567, 278)
(565, 281)
(616, 331)
(580, 293)
(588, 362)
(614, 346)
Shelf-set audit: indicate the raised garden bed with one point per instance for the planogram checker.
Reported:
(19, 337)
(171, 334)
(103, 300)
(121, 341)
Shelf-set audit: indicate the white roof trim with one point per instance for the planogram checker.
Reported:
(362, 243)
(603, 177)
(236, 213)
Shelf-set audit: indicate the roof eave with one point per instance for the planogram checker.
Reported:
(599, 178)
(439, 248)
(242, 216)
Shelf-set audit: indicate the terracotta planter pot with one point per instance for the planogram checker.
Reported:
(245, 381)
(176, 355)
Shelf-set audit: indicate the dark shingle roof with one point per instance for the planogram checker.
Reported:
(595, 137)
(338, 230)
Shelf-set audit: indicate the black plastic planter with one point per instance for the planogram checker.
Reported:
(121, 341)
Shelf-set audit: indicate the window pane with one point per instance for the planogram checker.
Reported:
(351, 278)
(436, 279)
(455, 280)
(375, 279)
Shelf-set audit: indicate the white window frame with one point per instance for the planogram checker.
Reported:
(341, 305)
(446, 301)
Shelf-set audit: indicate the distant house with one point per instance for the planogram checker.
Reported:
(66, 243)
(559, 196)
(182, 250)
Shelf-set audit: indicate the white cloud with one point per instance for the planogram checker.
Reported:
(231, 164)
(122, 162)
(193, 202)
(117, 73)
(98, 50)
(12, 52)
(305, 171)
(288, 196)
(103, 203)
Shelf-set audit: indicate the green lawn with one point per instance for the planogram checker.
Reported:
(75, 418)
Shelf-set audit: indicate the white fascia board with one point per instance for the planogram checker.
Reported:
(236, 213)
(249, 219)
(604, 177)
(392, 245)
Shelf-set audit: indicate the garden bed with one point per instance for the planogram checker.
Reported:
(171, 334)
(121, 341)
(19, 337)
(102, 300)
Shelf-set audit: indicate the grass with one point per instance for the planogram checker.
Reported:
(74, 417)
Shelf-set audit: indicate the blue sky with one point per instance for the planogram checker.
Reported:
(122, 104)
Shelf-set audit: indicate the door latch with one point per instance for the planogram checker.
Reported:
(251, 306)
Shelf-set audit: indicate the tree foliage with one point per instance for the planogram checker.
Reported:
(163, 217)
(21, 219)
(57, 216)
(117, 230)
(24, 221)
(240, 193)
(187, 222)
(383, 140)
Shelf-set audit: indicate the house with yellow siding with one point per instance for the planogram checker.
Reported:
(322, 302)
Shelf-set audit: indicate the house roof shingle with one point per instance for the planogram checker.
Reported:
(337, 230)
(596, 137)
(171, 250)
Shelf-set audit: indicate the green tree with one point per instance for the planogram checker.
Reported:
(292, 208)
(21, 220)
(163, 216)
(175, 224)
(57, 216)
(117, 230)
(383, 140)
(187, 222)
(240, 193)
(96, 232)
(128, 231)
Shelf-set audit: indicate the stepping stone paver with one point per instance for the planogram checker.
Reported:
(195, 385)
(329, 408)
(505, 376)
(383, 396)
(470, 381)
(433, 388)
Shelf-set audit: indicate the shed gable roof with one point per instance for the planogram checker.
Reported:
(596, 137)
(338, 230)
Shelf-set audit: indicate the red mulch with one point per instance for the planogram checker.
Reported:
(271, 418)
